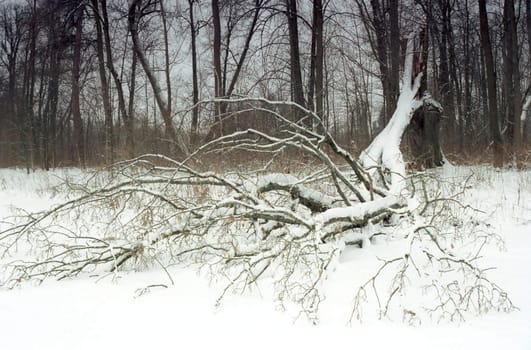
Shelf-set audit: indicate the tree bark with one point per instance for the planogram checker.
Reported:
(218, 93)
(76, 88)
(318, 33)
(394, 55)
(491, 84)
(527, 121)
(104, 85)
(163, 104)
(513, 95)
(126, 114)
(195, 85)
(297, 93)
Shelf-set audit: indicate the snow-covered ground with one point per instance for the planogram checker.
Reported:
(122, 311)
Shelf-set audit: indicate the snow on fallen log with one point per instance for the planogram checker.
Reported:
(360, 213)
(316, 201)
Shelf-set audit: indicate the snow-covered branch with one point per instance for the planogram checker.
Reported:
(273, 216)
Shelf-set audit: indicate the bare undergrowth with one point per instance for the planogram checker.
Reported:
(291, 226)
(256, 225)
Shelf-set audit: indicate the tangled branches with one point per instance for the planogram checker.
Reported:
(258, 224)
(258, 221)
(242, 225)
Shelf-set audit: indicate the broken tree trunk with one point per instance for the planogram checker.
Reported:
(384, 151)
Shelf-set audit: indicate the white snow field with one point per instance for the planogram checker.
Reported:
(144, 310)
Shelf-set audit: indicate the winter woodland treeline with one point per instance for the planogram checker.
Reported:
(87, 82)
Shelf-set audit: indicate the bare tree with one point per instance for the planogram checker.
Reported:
(138, 10)
(527, 96)
(491, 85)
(316, 80)
(384, 37)
(513, 95)
(216, 21)
(195, 84)
(104, 85)
(100, 6)
(297, 92)
(223, 84)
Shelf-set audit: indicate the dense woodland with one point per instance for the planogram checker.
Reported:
(89, 82)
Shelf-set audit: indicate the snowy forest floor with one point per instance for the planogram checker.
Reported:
(121, 311)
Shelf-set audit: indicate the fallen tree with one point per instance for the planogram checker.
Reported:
(255, 222)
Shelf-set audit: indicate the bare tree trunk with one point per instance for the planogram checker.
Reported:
(164, 104)
(126, 114)
(297, 93)
(444, 82)
(384, 150)
(527, 121)
(378, 21)
(245, 50)
(424, 127)
(217, 67)
(491, 84)
(30, 87)
(195, 85)
(467, 108)
(166, 58)
(129, 125)
(384, 38)
(76, 88)
(104, 86)
(528, 22)
(221, 74)
(394, 55)
(318, 13)
(513, 93)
